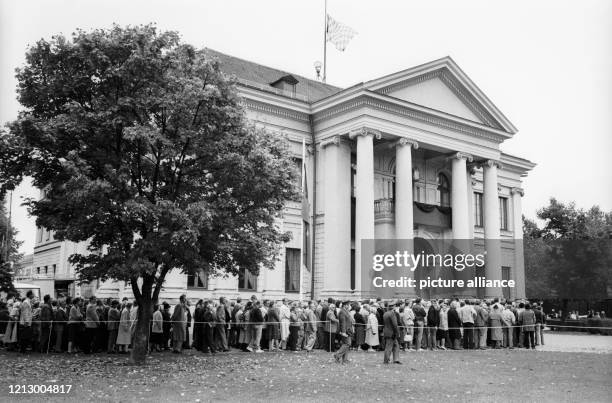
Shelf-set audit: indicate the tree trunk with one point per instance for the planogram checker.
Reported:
(140, 339)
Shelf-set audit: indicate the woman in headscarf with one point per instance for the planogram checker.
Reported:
(157, 329)
(360, 326)
(371, 336)
(332, 327)
(124, 336)
(248, 329)
(240, 319)
(179, 325)
(293, 328)
(75, 322)
(408, 317)
(273, 324)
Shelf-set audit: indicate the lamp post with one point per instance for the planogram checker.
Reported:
(317, 66)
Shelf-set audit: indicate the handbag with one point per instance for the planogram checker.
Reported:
(408, 338)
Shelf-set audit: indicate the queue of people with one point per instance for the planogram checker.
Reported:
(93, 325)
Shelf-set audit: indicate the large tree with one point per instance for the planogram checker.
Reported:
(571, 255)
(143, 151)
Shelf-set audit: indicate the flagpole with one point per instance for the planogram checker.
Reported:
(325, 45)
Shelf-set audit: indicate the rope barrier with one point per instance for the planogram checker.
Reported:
(325, 321)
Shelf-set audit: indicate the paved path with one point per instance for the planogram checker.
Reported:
(576, 342)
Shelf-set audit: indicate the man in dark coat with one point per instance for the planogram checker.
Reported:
(391, 334)
(209, 318)
(454, 324)
(46, 319)
(419, 323)
(345, 329)
(433, 321)
(221, 326)
(198, 325)
(167, 325)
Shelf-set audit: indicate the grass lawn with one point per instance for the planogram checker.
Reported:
(493, 375)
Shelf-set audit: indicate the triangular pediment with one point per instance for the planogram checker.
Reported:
(442, 86)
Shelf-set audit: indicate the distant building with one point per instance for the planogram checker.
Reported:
(411, 154)
(49, 267)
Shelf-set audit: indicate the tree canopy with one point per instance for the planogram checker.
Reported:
(143, 150)
(7, 240)
(571, 255)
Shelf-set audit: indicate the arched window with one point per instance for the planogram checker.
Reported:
(444, 190)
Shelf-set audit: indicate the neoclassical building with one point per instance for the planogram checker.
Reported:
(412, 154)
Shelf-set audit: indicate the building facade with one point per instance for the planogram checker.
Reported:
(415, 154)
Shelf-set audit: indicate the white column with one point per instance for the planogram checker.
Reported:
(517, 227)
(459, 196)
(404, 219)
(491, 227)
(337, 217)
(364, 194)
(470, 196)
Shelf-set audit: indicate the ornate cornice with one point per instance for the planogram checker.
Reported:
(407, 112)
(406, 142)
(365, 132)
(274, 110)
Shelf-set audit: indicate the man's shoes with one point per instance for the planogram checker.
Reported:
(249, 349)
(396, 362)
(259, 351)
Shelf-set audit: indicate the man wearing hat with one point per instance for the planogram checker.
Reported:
(345, 329)
(391, 333)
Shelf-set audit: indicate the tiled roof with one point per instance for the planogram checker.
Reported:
(260, 77)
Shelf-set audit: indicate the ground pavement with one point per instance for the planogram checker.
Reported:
(481, 376)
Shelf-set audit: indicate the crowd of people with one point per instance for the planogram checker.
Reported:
(76, 325)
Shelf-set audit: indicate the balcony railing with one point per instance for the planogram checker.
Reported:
(384, 209)
(428, 214)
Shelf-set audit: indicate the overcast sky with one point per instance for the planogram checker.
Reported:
(546, 64)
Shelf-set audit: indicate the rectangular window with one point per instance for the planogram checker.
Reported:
(47, 234)
(292, 269)
(298, 179)
(39, 234)
(247, 280)
(506, 276)
(478, 218)
(197, 280)
(54, 269)
(503, 213)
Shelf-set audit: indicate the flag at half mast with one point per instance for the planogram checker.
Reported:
(338, 34)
